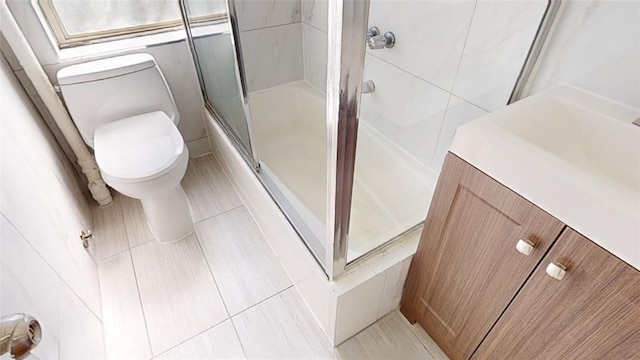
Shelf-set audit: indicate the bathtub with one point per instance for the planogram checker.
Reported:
(368, 290)
(391, 191)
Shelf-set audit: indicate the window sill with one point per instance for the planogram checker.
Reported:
(138, 42)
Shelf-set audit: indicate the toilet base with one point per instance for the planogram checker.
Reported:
(169, 215)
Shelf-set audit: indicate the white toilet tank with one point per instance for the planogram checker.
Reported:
(102, 91)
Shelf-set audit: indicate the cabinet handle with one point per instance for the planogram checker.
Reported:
(556, 271)
(525, 246)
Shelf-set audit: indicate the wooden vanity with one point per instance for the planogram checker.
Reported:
(496, 277)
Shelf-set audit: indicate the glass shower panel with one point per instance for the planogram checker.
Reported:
(263, 73)
(215, 54)
(284, 60)
(462, 63)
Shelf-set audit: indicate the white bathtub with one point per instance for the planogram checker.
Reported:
(391, 193)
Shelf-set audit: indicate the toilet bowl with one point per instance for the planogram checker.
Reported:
(124, 109)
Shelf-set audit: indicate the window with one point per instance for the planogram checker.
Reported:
(77, 22)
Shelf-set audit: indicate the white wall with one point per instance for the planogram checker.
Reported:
(173, 58)
(595, 45)
(271, 40)
(314, 35)
(45, 271)
(452, 62)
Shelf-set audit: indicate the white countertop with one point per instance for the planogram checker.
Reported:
(572, 153)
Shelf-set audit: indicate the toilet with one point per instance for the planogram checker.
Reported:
(125, 111)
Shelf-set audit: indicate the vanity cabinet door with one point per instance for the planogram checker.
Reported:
(467, 268)
(593, 312)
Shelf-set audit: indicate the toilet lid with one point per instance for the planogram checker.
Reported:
(138, 147)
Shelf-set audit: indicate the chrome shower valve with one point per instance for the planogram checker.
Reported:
(377, 41)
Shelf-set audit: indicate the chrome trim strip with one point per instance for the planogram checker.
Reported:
(382, 247)
(241, 77)
(347, 32)
(192, 48)
(545, 28)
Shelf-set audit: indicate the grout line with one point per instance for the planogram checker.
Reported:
(313, 26)
(455, 77)
(213, 216)
(263, 300)
(56, 272)
(204, 256)
(144, 315)
(191, 338)
(244, 352)
(410, 73)
(270, 27)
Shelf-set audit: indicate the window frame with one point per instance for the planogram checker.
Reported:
(66, 40)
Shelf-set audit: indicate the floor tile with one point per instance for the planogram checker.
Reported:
(209, 190)
(282, 328)
(388, 338)
(179, 296)
(125, 332)
(110, 237)
(244, 266)
(220, 342)
(135, 222)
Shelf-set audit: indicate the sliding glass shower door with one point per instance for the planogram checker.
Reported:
(214, 50)
(263, 74)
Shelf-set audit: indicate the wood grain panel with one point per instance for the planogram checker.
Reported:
(592, 313)
(466, 269)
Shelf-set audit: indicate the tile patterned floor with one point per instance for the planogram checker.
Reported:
(219, 294)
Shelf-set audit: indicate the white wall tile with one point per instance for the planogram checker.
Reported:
(220, 342)
(32, 289)
(41, 195)
(199, 147)
(315, 56)
(498, 43)
(315, 13)
(282, 328)
(178, 294)
(430, 36)
(272, 56)
(596, 46)
(358, 308)
(244, 266)
(82, 331)
(125, 331)
(459, 112)
(256, 14)
(393, 287)
(405, 109)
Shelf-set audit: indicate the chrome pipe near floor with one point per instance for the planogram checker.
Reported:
(19, 334)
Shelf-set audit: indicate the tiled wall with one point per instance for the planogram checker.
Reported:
(314, 35)
(452, 62)
(271, 41)
(45, 271)
(595, 45)
(173, 58)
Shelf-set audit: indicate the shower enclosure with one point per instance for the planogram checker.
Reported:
(350, 171)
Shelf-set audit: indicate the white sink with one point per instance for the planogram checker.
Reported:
(572, 153)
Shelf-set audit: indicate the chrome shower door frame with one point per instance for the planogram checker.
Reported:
(347, 30)
(250, 155)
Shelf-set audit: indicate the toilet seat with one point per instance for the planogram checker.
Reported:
(138, 148)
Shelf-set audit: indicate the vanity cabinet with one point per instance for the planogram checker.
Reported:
(593, 312)
(467, 268)
(478, 282)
